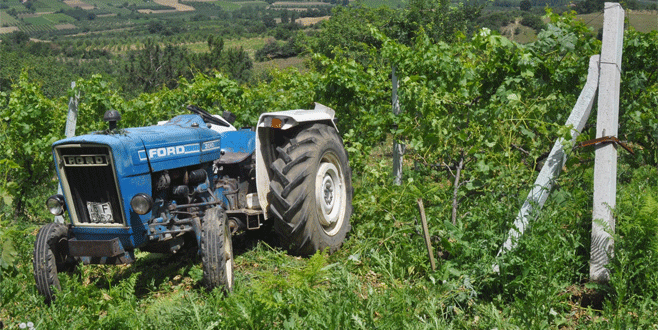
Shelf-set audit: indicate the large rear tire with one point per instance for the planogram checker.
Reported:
(311, 191)
(50, 257)
(216, 251)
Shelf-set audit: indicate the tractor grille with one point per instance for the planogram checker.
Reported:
(89, 180)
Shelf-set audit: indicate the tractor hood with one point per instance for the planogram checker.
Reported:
(183, 141)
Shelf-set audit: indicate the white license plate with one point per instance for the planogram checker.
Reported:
(100, 212)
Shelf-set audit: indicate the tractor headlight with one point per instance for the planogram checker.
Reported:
(276, 123)
(141, 203)
(56, 205)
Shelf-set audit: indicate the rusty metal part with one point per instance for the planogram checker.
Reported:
(606, 139)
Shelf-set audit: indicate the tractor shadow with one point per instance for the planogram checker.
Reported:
(176, 271)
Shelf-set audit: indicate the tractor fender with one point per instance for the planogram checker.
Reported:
(270, 124)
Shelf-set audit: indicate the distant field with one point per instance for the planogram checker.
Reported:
(59, 18)
(9, 29)
(519, 33)
(299, 3)
(250, 45)
(68, 26)
(37, 20)
(7, 20)
(643, 21)
(227, 5)
(111, 14)
(79, 4)
(280, 63)
(384, 3)
(175, 4)
(307, 21)
(50, 5)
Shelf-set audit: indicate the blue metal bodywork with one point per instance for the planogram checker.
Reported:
(137, 153)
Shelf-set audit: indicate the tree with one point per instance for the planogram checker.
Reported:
(525, 5)
(589, 6)
(153, 67)
(237, 63)
(269, 21)
(285, 18)
(17, 38)
(438, 19)
(273, 49)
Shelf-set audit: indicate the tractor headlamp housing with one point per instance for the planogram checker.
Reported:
(141, 203)
(56, 204)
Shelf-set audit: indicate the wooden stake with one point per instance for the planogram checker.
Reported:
(398, 148)
(426, 233)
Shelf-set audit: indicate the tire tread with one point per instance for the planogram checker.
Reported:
(45, 262)
(212, 249)
(293, 174)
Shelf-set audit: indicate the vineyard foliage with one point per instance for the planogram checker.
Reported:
(482, 104)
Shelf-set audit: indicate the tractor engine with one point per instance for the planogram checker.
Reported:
(147, 187)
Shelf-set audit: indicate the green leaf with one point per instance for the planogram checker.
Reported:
(9, 254)
(483, 167)
(7, 199)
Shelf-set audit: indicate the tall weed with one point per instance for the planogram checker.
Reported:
(634, 267)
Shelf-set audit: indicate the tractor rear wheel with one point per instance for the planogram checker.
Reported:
(216, 251)
(311, 191)
(50, 257)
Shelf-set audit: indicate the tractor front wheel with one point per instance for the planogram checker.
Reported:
(50, 257)
(216, 251)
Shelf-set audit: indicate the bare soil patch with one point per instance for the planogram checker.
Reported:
(80, 4)
(308, 21)
(299, 3)
(66, 26)
(174, 3)
(8, 29)
(161, 11)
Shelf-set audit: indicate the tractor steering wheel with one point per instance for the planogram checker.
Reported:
(207, 117)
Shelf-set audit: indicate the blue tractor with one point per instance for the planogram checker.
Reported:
(196, 180)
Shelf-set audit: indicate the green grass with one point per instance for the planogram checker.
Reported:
(251, 45)
(280, 64)
(383, 3)
(37, 20)
(235, 5)
(228, 5)
(59, 18)
(379, 279)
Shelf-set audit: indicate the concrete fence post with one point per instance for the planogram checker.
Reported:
(605, 162)
(556, 159)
